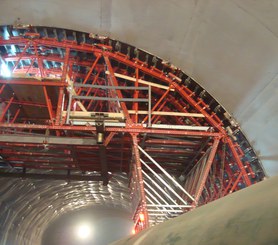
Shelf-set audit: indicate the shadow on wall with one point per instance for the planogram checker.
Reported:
(93, 225)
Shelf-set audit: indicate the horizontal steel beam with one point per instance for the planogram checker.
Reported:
(88, 114)
(158, 126)
(32, 82)
(11, 138)
(182, 127)
(51, 176)
(109, 87)
(136, 129)
(51, 57)
(108, 99)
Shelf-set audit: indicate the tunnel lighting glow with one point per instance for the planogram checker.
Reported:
(5, 72)
(133, 231)
(141, 217)
(84, 231)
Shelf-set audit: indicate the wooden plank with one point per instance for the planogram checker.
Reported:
(133, 79)
(82, 114)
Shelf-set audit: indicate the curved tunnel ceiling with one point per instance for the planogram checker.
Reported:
(182, 131)
(29, 206)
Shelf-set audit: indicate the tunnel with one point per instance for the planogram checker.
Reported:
(134, 112)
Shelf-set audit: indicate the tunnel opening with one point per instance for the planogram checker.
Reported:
(86, 226)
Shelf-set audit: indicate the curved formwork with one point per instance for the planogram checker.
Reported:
(82, 107)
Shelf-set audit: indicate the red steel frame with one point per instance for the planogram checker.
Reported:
(212, 171)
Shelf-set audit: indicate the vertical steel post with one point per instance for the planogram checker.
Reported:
(136, 92)
(149, 106)
(140, 178)
(69, 107)
(59, 106)
(65, 66)
(61, 90)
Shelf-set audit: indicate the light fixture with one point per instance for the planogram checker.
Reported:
(4, 71)
(83, 232)
(142, 217)
(133, 231)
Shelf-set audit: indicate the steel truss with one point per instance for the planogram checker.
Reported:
(72, 106)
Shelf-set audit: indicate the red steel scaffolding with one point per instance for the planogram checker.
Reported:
(83, 107)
